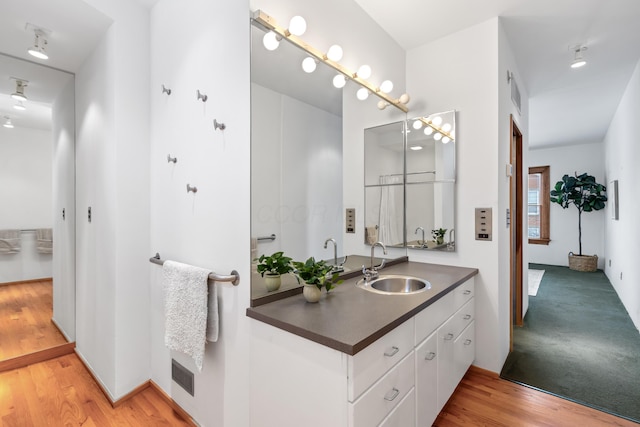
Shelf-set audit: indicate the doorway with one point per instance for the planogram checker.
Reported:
(516, 236)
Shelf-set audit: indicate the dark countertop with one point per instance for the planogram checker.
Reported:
(348, 319)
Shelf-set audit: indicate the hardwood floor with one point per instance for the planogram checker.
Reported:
(25, 319)
(484, 399)
(61, 392)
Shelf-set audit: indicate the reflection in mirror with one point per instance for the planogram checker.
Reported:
(410, 183)
(37, 264)
(296, 159)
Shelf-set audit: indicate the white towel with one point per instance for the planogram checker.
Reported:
(186, 309)
(9, 241)
(212, 314)
(44, 240)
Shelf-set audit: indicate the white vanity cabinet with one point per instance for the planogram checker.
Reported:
(445, 355)
(402, 379)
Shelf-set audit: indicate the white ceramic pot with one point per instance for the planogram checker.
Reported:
(272, 282)
(311, 293)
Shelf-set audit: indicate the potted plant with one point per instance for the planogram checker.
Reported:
(438, 235)
(315, 275)
(272, 267)
(586, 195)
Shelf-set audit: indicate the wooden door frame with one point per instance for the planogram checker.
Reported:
(516, 234)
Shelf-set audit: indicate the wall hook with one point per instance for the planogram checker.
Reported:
(217, 125)
(202, 96)
(166, 90)
(170, 159)
(191, 189)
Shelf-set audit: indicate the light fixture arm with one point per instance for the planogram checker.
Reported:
(269, 23)
(436, 128)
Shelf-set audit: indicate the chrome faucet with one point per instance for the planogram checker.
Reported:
(420, 229)
(336, 267)
(451, 243)
(372, 272)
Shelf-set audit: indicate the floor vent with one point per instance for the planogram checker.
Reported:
(182, 376)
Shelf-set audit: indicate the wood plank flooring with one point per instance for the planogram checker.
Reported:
(25, 319)
(484, 399)
(61, 392)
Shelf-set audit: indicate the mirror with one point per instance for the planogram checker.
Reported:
(296, 159)
(410, 183)
(37, 284)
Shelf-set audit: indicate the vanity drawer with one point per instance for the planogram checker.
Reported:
(456, 323)
(404, 414)
(367, 366)
(463, 293)
(374, 405)
(433, 316)
(465, 350)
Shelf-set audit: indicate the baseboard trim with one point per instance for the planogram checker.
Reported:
(54, 323)
(172, 403)
(483, 371)
(37, 357)
(142, 387)
(22, 282)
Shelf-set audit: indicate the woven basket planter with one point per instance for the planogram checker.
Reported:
(583, 262)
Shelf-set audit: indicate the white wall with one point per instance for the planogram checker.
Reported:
(471, 82)
(203, 46)
(26, 198)
(64, 288)
(112, 151)
(296, 175)
(563, 223)
(621, 159)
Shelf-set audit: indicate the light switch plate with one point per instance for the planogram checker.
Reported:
(350, 220)
(483, 224)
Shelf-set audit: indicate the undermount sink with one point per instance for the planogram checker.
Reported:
(395, 285)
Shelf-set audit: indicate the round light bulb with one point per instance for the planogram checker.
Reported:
(334, 53)
(404, 98)
(270, 41)
(362, 93)
(417, 124)
(382, 105)
(339, 81)
(428, 130)
(446, 139)
(446, 127)
(386, 86)
(437, 120)
(364, 72)
(437, 136)
(309, 64)
(416, 147)
(297, 26)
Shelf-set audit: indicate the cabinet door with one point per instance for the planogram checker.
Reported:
(446, 364)
(464, 351)
(427, 381)
(404, 415)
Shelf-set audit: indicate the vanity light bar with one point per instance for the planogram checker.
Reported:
(270, 23)
(436, 128)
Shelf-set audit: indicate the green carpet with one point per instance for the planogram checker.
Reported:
(578, 342)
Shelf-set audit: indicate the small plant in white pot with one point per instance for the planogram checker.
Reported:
(586, 195)
(315, 275)
(272, 267)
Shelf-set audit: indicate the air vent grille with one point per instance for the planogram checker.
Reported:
(182, 376)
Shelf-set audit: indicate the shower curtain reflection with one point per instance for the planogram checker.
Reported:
(390, 227)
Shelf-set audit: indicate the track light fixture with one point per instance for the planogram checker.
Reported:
(578, 60)
(38, 48)
(7, 122)
(19, 95)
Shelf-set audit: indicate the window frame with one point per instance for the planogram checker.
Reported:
(545, 195)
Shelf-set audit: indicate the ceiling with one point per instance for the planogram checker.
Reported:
(566, 106)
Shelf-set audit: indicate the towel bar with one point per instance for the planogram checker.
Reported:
(272, 237)
(234, 277)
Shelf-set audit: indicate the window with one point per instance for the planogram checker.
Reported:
(538, 208)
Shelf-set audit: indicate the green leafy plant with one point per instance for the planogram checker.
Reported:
(438, 235)
(583, 192)
(317, 273)
(274, 264)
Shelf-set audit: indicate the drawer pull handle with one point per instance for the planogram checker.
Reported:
(390, 396)
(430, 356)
(467, 342)
(392, 352)
(449, 337)
(467, 292)
(467, 317)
